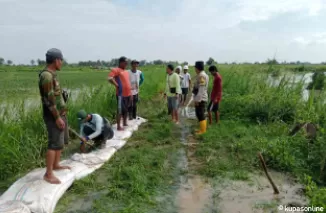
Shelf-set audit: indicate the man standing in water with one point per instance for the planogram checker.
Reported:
(186, 84)
(200, 95)
(136, 79)
(54, 113)
(216, 95)
(119, 77)
(172, 92)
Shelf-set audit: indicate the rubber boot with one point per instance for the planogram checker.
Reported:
(203, 126)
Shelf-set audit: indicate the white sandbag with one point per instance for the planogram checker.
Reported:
(37, 194)
(89, 159)
(131, 127)
(106, 153)
(77, 167)
(117, 144)
(13, 207)
(121, 135)
(140, 120)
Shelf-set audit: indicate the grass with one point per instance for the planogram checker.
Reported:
(255, 117)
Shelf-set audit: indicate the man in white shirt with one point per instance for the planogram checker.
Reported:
(136, 79)
(186, 84)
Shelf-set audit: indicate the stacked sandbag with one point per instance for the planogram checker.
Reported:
(31, 194)
(37, 194)
(13, 207)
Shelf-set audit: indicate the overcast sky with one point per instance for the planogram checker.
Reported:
(183, 30)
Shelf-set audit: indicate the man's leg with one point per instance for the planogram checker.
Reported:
(130, 110)
(135, 101)
(176, 116)
(125, 104)
(202, 119)
(119, 113)
(217, 113)
(51, 152)
(209, 110)
(60, 144)
(169, 106)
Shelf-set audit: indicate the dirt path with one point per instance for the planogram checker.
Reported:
(196, 195)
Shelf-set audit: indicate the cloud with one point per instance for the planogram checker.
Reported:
(227, 30)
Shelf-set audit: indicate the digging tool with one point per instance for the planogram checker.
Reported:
(276, 191)
(82, 148)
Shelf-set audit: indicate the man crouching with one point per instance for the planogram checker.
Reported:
(94, 127)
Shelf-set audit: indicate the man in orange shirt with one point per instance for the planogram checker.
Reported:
(119, 77)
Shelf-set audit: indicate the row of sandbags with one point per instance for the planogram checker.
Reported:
(32, 194)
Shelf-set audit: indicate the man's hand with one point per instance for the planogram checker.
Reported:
(60, 123)
(196, 103)
(215, 101)
(164, 96)
(83, 148)
(84, 140)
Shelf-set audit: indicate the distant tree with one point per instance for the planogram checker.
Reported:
(41, 62)
(9, 62)
(32, 62)
(2, 61)
(210, 61)
(185, 63)
(158, 62)
(65, 62)
(142, 62)
(257, 62)
(271, 61)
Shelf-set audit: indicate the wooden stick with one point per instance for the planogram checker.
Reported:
(78, 136)
(276, 191)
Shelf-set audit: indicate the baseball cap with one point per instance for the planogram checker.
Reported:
(122, 59)
(81, 115)
(54, 53)
(134, 61)
(185, 67)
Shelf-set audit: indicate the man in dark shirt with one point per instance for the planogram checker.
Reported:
(216, 95)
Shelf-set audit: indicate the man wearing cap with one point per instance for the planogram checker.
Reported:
(136, 79)
(172, 92)
(186, 84)
(200, 95)
(119, 77)
(54, 113)
(94, 127)
(216, 94)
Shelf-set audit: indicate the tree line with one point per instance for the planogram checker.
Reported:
(114, 62)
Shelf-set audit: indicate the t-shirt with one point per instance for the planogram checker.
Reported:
(51, 95)
(136, 78)
(122, 78)
(217, 88)
(172, 81)
(185, 81)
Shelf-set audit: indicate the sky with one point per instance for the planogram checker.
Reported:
(183, 30)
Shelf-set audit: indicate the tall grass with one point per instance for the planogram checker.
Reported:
(257, 116)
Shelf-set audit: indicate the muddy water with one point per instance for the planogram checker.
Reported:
(194, 194)
(12, 108)
(292, 80)
(257, 194)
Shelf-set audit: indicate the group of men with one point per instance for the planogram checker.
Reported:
(127, 82)
(177, 87)
(92, 126)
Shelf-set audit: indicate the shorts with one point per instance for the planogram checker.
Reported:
(56, 137)
(123, 104)
(212, 107)
(184, 91)
(173, 103)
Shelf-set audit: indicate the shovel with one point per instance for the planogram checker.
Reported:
(90, 143)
